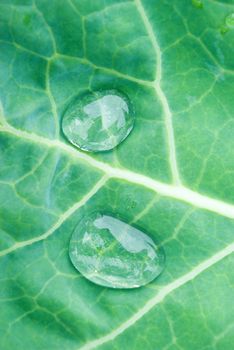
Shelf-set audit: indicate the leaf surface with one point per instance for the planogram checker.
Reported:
(173, 176)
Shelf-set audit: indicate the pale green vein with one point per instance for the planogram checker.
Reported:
(199, 100)
(22, 48)
(75, 9)
(110, 71)
(178, 227)
(84, 36)
(33, 170)
(85, 61)
(45, 285)
(41, 14)
(113, 6)
(27, 87)
(178, 192)
(60, 221)
(152, 37)
(161, 95)
(164, 292)
(26, 200)
(145, 210)
(172, 331)
(223, 334)
(204, 47)
(175, 43)
(205, 162)
(52, 101)
(2, 117)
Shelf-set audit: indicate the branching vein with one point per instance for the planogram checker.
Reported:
(60, 221)
(178, 192)
(179, 282)
(160, 93)
(51, 98)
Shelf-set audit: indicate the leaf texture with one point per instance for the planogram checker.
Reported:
(173, 176)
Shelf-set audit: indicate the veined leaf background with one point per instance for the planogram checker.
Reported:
(173, 176)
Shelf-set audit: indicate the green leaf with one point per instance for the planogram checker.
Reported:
(173, 176)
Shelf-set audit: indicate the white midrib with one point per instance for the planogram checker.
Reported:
(160, 296)
(161, 95)
(178, 192)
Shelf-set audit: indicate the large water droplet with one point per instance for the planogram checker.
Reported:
(98, 121)
(112, 253)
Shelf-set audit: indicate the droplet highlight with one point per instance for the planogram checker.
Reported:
(98, 121)
(112, 253)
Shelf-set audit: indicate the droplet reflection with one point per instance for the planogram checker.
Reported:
(112, 253)
(98, 121)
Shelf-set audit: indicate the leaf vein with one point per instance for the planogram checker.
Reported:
(160, 296)
(160, 93)
(177, 192)
(60, 221)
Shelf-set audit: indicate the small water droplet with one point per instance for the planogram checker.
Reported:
(27, 20)
(98, 121)
(197, 3)
(229, 20)
(112, 253)
(228, 23)
(224, 29)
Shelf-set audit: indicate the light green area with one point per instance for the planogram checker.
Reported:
(49, 53)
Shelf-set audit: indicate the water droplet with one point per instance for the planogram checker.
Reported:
(229, 20)
(27, 20)
(98, 121)
(224, 29)
(112, 253)
(197, 3)
(228, 23)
